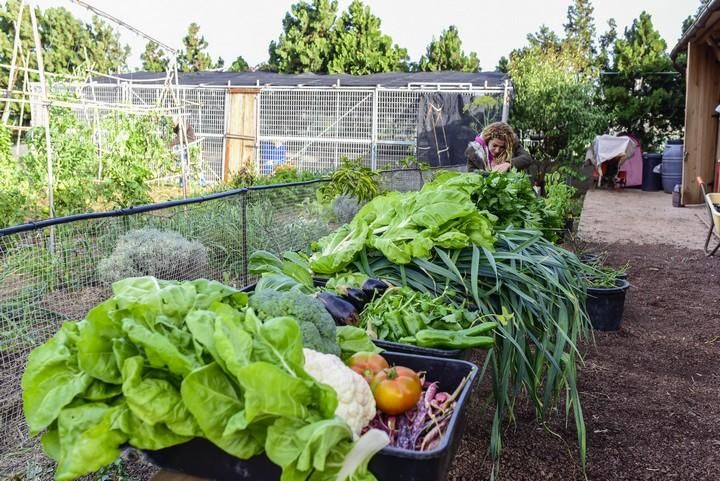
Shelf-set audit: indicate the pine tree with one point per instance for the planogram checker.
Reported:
(446, 53)
(580, 31)
(193, 57)
(153, 58)
(359, 47)
(644, 96)
(304, 45)
(503, 65)
(607, 44)
(239, 65)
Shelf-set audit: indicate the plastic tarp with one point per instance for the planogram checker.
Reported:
(626, 150)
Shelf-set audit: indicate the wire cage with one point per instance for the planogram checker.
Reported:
(313, 127)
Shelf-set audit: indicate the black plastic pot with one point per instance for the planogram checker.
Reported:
(201, 458)
(605, 305)
(589, 258)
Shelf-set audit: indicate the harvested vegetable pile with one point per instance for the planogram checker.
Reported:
(411, 317)
(161, 362)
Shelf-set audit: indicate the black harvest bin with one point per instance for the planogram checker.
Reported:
(200, 457)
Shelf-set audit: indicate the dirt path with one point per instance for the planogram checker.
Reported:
(631, 215)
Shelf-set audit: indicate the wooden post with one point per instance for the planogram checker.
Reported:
(13, 69)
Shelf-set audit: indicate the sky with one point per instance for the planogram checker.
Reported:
(490, 28)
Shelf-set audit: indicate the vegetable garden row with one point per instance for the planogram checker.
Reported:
(341, 360)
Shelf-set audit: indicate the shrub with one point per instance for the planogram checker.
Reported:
(151, 252)
(345, 208)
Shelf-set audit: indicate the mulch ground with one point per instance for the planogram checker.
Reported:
(650, 391)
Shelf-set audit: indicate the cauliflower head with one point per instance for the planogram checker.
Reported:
(356, 404)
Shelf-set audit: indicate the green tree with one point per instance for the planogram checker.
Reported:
(446, 53)
(239, 65)
(607, 44)
(104, 50)
(194, 57)
(154, 58)
(305, 43)
(644, 95)
(555, 103)
(359, 47)
(503, 65)
(580, 31)
(544, 38)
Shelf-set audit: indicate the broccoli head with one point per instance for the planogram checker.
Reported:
(316, 324)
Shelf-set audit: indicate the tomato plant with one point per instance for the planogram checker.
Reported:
(367, 364)
(396, 389)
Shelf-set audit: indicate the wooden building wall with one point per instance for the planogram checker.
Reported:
(701, 126)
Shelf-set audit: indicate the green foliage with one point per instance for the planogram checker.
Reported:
(503, 65)
(446, 53)
(239, 65)
(154, 58)
(580, 31)
(75, 162)
(353, 179)
(607, 45)
(14, 188)
(644, 96)
(314, 39)
(193, 57)
(306, 40)
(359, 47)
(135, 147)
(558, 197)
(557, 102)
(151, 252)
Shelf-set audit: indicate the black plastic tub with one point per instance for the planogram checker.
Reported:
(605, 305)
(589, 258)
(423, 351)
(201, 458)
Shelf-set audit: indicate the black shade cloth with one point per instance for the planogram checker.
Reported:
(444, 129)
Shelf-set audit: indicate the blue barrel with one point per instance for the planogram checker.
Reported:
(672, 165)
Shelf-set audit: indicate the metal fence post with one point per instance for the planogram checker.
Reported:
(506, 102)
(374, 131)
(244, 276)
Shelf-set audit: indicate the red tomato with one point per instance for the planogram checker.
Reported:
(367, 364)
(396, 390)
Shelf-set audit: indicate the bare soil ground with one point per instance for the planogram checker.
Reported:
(650, 391)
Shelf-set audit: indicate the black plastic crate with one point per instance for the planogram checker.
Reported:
(201, 458)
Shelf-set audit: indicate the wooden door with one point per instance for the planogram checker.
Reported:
(241, 135)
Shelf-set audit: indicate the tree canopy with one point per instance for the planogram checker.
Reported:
(194, 57)
(315, 39)
(153, 58)
(446, 53)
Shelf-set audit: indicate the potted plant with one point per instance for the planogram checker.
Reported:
(606, 297)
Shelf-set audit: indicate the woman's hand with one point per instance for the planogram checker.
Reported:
(502, 167)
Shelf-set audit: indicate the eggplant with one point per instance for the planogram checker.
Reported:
(341, 310)
(356, 297)
(372, 286)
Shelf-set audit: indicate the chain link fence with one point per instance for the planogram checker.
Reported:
(56, 270)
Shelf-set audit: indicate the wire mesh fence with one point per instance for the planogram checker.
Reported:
(54, 271)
